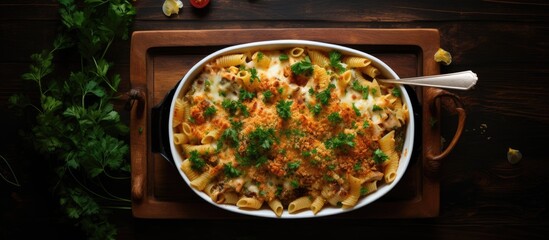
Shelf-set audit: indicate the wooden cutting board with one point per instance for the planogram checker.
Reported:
(159, 59)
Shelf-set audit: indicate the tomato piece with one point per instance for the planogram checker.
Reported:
(199, 3)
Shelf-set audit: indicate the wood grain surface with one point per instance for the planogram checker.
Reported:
(482, 196)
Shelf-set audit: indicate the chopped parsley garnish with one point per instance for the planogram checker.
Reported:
(335, 58)
(283, 57)
(207, 84)
(396, 92)
(293, 132)
(355, 85)
(328, 179)
(259, 142)
(253, 73)
(357, 166)
(324, 96)
(210, 111)
(294, 183)
(340, 141)
(293, 166)
(259, 56)
(245, 95)
(232, 106)
(230, 171)
(363, 191)
(280, 90)
(315, 109)
(283, 109)
(279, 190)
(303, 67)
(335, 118)
(357, 111)
(366, 124)
(380, 156)
(267, 96)
(197, 163)
(230, 135)
(376, 108)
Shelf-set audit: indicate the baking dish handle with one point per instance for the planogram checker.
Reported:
(160, 118)
(452, 103)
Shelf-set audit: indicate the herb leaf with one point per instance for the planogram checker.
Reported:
(357, 111)
(231, 171)
(283, 109)
(335, 118)
(267, 96)
(210, 111)
(258, 142)
(340, 141)
(335, 58)
(325, 95)
(303, 67)
(380, 156)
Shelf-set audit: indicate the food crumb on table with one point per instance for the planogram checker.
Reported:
(171, 7)
(443, 56)
(513, 156)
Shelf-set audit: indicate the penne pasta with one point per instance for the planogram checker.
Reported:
(261, 60)
(318, 58)
(228, 197)
(321, 77)
(205, 149)
(178, 112)
(276, 206)
(371, 71)
(248, 202)
(180, 138)
(296, 52)
(299, 204)
(354, 192)
(211, 136)
(317, 204)
(187, 169)
(231, 60)
(370, 187)
(356, 62)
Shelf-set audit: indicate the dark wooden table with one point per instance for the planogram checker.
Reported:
(482, 195)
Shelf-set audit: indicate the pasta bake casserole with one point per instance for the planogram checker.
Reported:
(290, 129)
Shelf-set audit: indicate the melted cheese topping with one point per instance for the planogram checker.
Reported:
(283, 134)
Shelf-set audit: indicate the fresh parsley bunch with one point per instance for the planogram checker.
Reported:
(76, 126)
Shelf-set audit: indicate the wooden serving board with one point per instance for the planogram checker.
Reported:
(159, 59)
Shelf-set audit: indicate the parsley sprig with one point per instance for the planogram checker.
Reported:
(303, 67)
(355, 85)
(335, 61)
(335, 118)
(340, 141)
(197, 163)
(76, 125)
(259, 142)
(283, 109)
(380, 156)
(325, 95)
